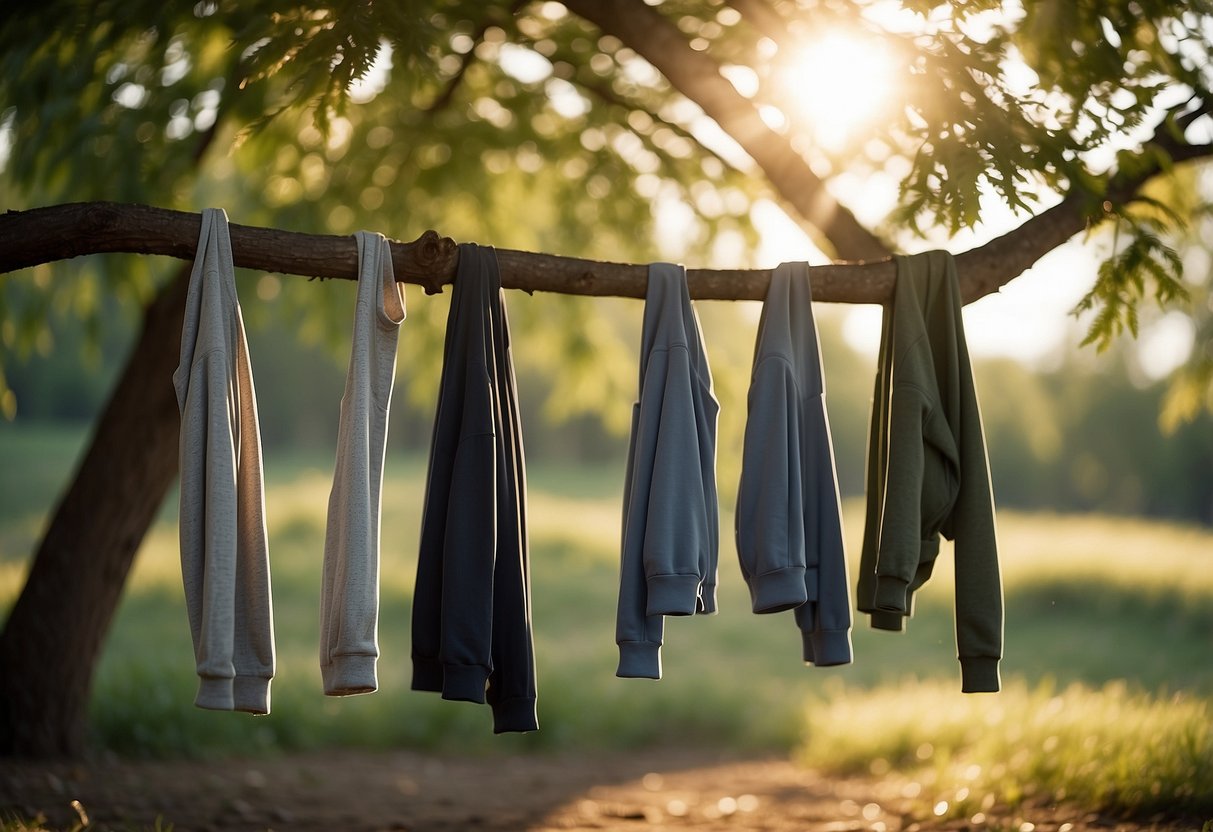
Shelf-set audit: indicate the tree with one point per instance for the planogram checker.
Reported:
(584, 113)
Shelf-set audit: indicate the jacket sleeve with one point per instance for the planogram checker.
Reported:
(470, 548)
(901, 517)
(827, 636)
(979, 603)
(349, 593)
(637, 634)
(208, 526)
(254, 639)
(676, 530)
(511, 686)
(770, 531)
(875, 467)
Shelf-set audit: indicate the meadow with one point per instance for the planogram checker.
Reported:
(1108, 669)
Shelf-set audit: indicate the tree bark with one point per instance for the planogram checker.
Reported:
(53, 636)
(43, 235)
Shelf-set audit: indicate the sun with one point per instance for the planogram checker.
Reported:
(838, 84)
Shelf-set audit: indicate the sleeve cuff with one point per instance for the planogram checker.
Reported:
(349, 675)
(672, 594)
(893, 621)
(979, 674)
(251, 694)
(779, 590)
(827, 648)
(515, 716)
(639, 660)
(891, 594)
(427, 675)
(464, 682)
(215, 693)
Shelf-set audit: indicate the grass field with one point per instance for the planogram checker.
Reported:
(1108, 668)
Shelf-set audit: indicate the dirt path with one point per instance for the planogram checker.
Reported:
(409, 791)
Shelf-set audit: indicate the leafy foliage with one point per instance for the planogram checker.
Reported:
(1123, 279)
(466, 115)
(445, 132)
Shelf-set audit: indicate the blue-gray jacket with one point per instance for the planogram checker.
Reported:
(788, 522)
(671, 521)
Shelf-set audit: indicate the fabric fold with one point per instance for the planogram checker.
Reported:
(789, 519)
(224, 550)
(472, 637)
(928, 474)
(671, 524)
(349, 590)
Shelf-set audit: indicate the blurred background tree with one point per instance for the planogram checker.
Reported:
(614, 130)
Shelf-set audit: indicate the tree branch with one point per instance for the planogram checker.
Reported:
(59, 232)
(698, 77)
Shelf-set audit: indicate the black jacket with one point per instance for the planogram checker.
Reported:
(471, 605)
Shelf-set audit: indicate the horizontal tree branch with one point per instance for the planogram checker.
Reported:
(59, 232)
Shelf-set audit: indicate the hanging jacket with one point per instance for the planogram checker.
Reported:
(927, 472)
(349, 591)
(224, 553)
(670, 514)
(788, 520)
(511, 686)
(471, 605)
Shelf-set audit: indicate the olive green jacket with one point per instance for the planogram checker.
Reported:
(927, 472)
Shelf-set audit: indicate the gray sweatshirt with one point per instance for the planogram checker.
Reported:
(671, 524)
(349, 592)
(224, 555)
(788, 521)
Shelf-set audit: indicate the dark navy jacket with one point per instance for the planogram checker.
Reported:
(471, 606)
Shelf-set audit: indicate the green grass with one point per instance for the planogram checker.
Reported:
(1108, 669)
(1115, 749)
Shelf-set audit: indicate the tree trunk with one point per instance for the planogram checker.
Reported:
(53, 636)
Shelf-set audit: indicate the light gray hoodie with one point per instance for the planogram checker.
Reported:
(224, 554)
(789, 527)
(349, 591)
(671, 520)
